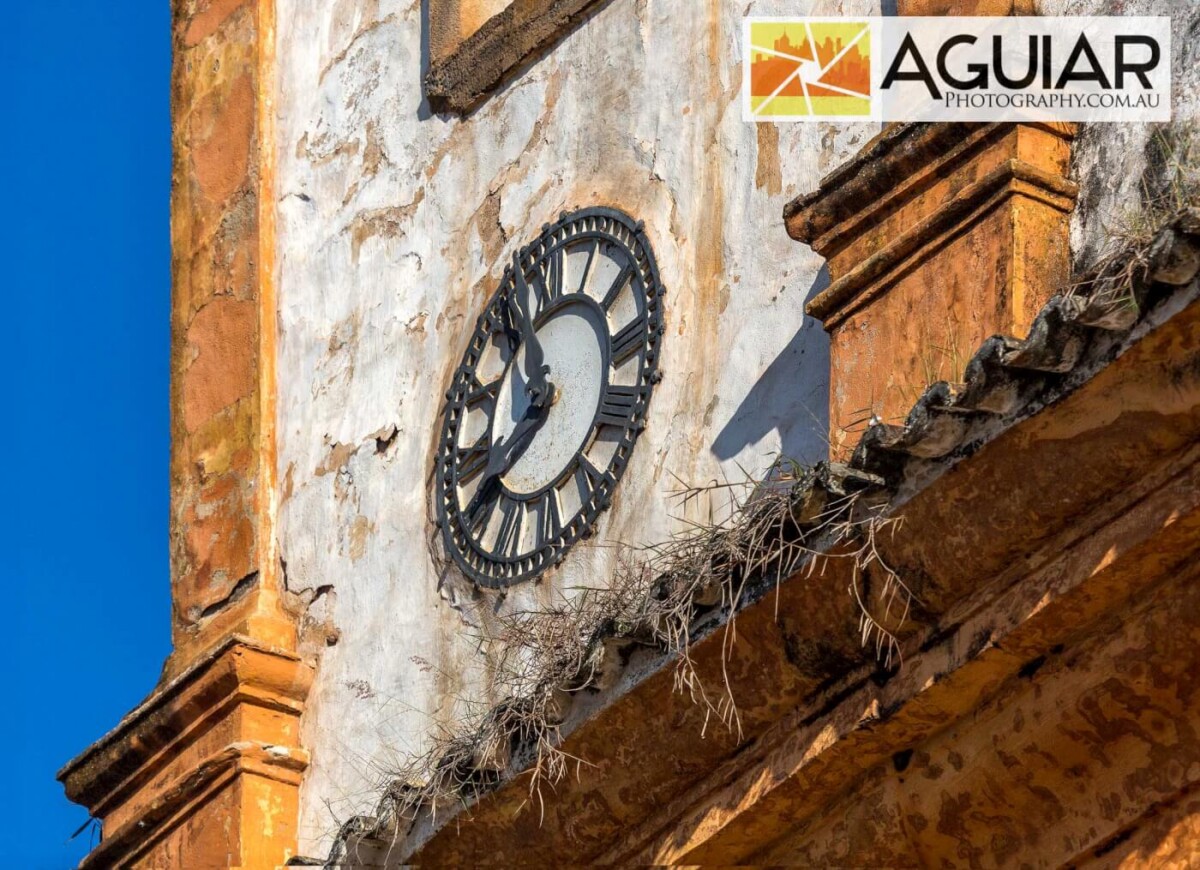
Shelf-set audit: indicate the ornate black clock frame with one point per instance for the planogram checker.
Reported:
(620, 415)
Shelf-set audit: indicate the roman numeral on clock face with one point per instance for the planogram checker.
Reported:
(473, 459)
(628, 341)
(478, 392)
(618, 284)
(587, 478)
(549, 282)
(549, 517)
(479, 515)
(616, 409)
(593, 251)
(508, 536)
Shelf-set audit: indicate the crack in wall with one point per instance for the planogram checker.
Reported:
(236, 594)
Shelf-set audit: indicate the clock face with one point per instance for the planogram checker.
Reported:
(544, 409)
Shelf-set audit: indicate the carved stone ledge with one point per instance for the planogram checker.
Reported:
(937, 236)
(466, 68)
(208, 765)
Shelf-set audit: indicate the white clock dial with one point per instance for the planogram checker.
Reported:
(552, 392)
(572, 338)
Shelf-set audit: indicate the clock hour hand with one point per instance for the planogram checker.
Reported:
(505, 453)
(538, 387)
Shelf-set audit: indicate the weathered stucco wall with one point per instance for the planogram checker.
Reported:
(1117, 165)
(394, 227)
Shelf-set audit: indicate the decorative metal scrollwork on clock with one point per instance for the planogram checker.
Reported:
(543, 412)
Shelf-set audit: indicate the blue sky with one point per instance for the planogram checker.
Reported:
(85, 149)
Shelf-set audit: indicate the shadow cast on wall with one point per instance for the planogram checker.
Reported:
(791, 398)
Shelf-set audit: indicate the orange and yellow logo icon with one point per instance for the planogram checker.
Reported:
(809, 68)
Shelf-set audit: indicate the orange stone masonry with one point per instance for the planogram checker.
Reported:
(206, 771)
(936, 236)
(1044, 706)
(223, 565)
(1047, 708)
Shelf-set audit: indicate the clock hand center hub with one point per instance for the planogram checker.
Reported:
(572, 340)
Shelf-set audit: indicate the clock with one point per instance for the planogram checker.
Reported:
(545, 408)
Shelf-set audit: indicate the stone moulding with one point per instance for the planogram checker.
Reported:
(959, 231)
(898, 161)
(1011, 179)
(896, 171)
(1013, 589)
(467, 71)
(225, 729)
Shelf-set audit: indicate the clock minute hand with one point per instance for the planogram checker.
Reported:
(504, 454)
(522, 435)
(539, 389)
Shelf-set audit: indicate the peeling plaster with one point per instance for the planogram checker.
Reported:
(1110, 160)
(394, 228)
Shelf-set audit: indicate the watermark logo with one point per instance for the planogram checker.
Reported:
(958, 69)
(814, 68)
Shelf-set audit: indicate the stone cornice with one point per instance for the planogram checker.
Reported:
(471, 69)
(1011, 178)
(900, 159)
(185, 796)
(1004, 584)
(153, 735)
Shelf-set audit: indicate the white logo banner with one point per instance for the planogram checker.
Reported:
(958, 69)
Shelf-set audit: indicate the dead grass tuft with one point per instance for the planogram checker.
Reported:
(1169, 189)
(663, 598)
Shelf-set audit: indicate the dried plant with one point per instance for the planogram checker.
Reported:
(663, 597)
(666, 597)
(1169, 188)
